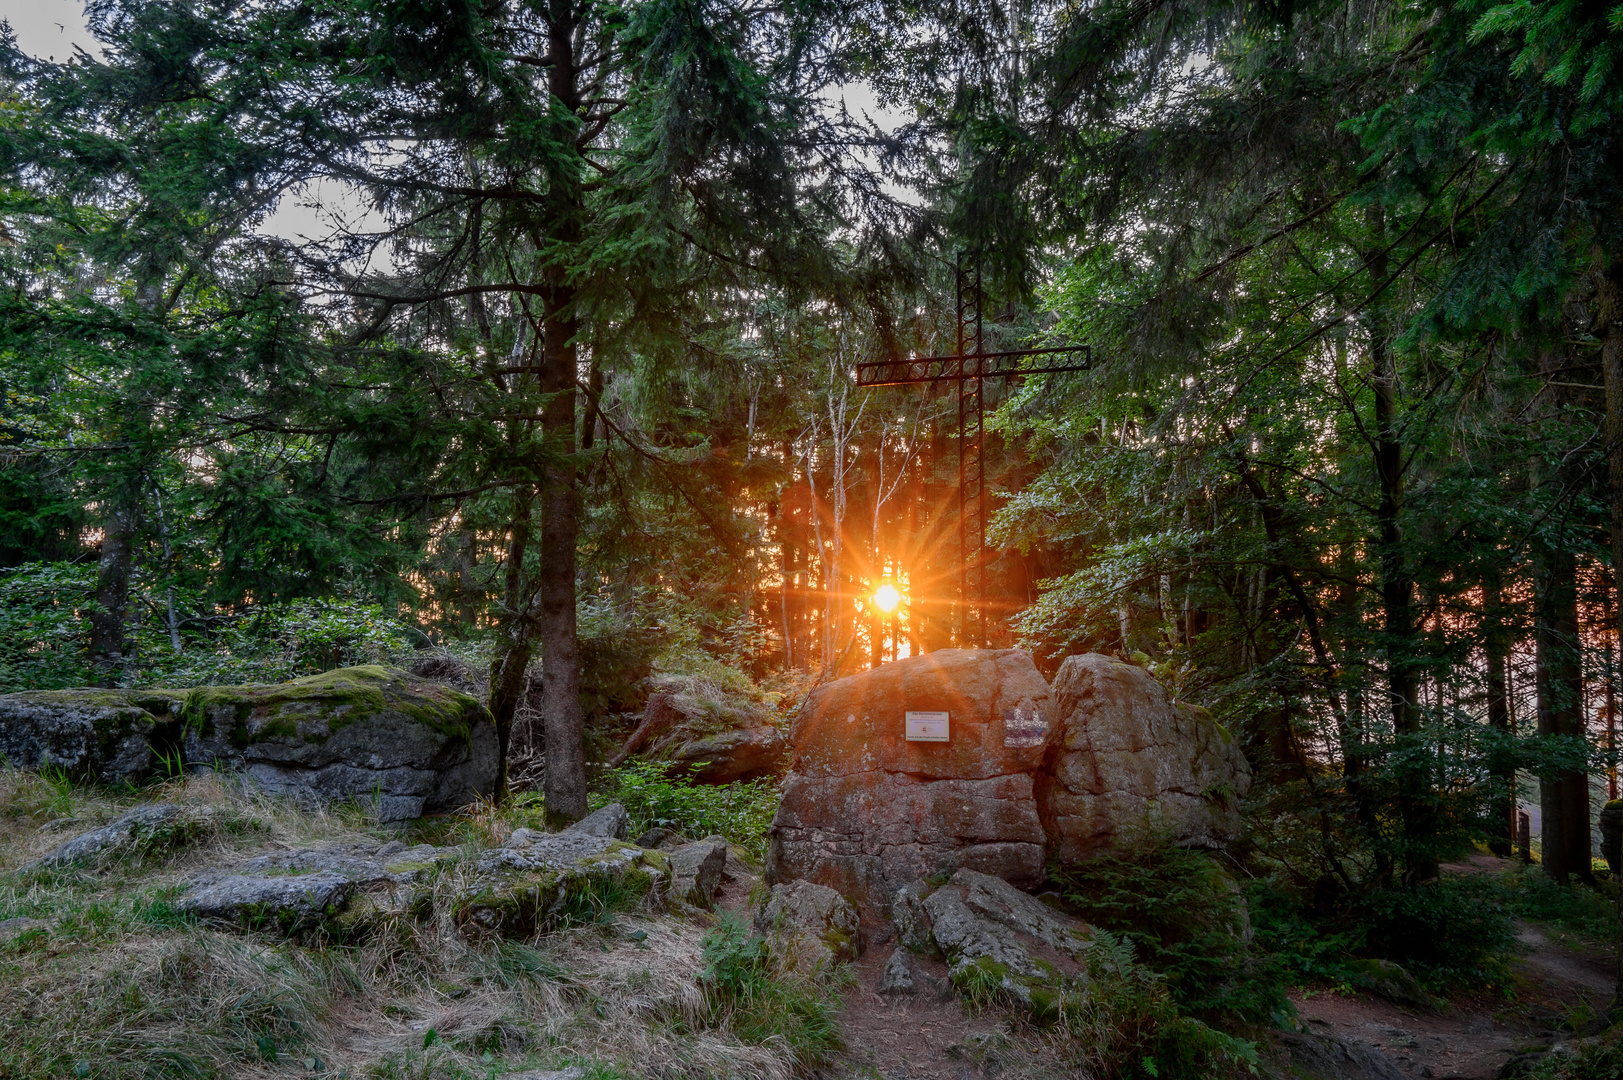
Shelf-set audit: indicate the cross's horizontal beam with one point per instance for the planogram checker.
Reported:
(928, 369)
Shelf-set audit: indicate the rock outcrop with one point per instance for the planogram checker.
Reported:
(97, 733)
(537, 880)
(1124, 759)
(336, 887)
(372, 734)
(747, 754)
(1024, 773)
(696, 871)
(1000, 941)
(865, 811)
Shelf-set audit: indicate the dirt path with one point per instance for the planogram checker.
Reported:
(1554, 987)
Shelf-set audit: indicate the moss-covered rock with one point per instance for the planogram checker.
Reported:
(1002, 943)
(540, 881)
(808, 926)
(339, 889)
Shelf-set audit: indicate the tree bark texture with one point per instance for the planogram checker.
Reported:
(113, 587)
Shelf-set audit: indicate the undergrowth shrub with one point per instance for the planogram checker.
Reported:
(1448, 933)
(1452, 933)
(1531, 894)
(760, 1005)
(1128, 1024)
(1188, 920)
(656, 796)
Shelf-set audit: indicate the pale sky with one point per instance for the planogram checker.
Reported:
(48, 28)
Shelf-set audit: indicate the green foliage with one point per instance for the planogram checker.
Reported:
(1596, 1059)
(655, 796)
(1127, 1022)
(44, 617)
(44, 623)
(1188, 920)
(1453, 932)
(760, 1006)
(1577, 908)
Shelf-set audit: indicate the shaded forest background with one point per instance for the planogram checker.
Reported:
(571, 396)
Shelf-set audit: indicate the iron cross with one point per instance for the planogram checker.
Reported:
(968, 367)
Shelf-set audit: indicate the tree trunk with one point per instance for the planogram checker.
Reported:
(1414, 779)
(113, 587)
(1563, 793)
(1496, 644)
(565, 785)
(514, 636)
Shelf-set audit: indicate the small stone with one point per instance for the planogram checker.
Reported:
(696, 872)
(653, 838)
(912, 922)
(574, 1072)
(897, 976)
(611, 821)
(17, 926)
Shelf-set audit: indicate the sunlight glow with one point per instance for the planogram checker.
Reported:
(886, 598)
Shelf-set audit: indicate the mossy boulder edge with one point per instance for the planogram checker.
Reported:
(372, 734)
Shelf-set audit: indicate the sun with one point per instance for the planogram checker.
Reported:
(886, 598)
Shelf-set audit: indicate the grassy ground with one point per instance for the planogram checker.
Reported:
(109, 980)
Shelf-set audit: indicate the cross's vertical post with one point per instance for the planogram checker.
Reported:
(971, 448)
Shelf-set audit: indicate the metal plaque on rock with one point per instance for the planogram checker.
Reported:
(927, 727)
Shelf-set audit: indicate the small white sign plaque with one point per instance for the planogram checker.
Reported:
(927, 727)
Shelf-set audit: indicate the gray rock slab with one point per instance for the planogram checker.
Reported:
(1325, 1057)
(290, 902)
(364, 864)
(812, 921)
(995, 899)
(965, 937)
(20, 925)
(527, 849)
(95, 732)
(611, 821)
(574, 1072)
(118, 835)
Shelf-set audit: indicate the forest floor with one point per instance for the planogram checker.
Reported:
(1558, 983)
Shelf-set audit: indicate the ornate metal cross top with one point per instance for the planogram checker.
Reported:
(967, 367)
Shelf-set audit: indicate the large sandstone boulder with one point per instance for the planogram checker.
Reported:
(1124, 759)
(384, 737)
(1025, 774)
(865, 811)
